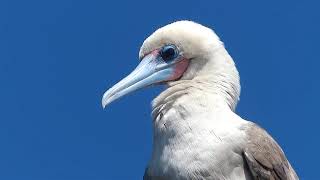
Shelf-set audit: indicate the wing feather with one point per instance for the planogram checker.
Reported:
(265, 158)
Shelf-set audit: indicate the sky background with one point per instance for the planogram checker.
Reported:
(58, 57)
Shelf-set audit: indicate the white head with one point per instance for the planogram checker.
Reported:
(192, 39)
(186, 51)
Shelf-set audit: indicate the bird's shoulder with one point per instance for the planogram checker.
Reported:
(264, 157)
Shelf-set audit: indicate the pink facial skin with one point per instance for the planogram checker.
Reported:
(179, 69)
(155, 53)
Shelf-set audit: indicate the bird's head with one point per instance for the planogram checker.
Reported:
(176, 51)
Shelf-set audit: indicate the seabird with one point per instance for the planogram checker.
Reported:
(196, 133)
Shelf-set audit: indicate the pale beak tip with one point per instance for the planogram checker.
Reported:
(105, 101)
(104, 105)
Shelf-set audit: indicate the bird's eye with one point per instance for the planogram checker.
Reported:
(169, 52)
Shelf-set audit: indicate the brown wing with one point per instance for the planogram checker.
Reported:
(265, 158)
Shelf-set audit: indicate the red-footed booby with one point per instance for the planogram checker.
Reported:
(196, 133)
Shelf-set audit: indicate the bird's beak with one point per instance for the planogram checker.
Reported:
(152, 69)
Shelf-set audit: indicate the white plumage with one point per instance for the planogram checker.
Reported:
(196, 134)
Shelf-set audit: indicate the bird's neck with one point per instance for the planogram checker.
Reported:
(186, 101)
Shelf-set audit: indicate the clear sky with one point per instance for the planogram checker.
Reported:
(58, 57)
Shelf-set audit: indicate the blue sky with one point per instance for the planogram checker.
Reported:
(58, 57)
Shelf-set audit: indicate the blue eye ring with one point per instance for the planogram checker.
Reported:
(169, 52)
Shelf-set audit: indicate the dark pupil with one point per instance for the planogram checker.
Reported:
(168, 53)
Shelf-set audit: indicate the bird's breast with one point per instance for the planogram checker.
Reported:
(192, 145)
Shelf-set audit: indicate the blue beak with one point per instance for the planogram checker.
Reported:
(152, 69)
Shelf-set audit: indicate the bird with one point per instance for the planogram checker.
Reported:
(196, 131)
